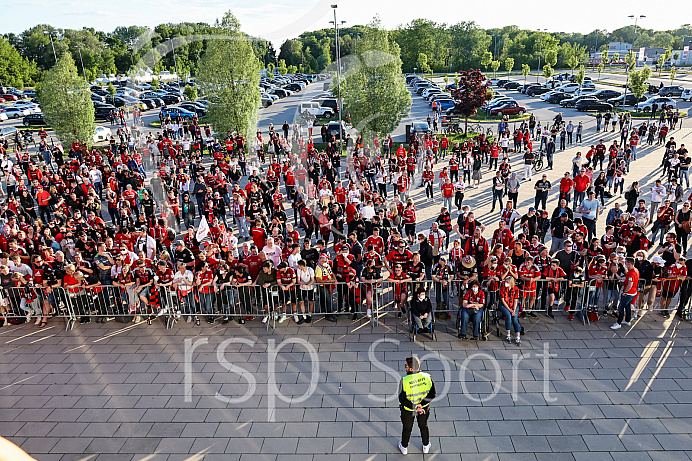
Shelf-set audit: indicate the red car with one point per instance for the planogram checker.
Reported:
(508, 108)
(8, 97)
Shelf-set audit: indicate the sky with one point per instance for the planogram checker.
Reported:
(278, 20)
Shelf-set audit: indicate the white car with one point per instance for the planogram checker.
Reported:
(3, 116)
(545, 96)
(30, 106)
(569, 87)
(686, 95)
(314, 108)
(102, 134)
(583, 91)
(16, 112)
(659, 100)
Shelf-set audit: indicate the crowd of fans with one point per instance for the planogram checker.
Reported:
(290, 231)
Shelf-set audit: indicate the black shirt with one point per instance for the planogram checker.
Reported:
(543, 185)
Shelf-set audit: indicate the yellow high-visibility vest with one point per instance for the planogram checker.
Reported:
(416, 386)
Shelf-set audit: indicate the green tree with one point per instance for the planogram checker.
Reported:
(375, 93)
(676, 55)
(292, 69)
(446, 80)
(111, 89)
(600, 69)
(486, 59)
(667, 54)
(423, 63)
(604, 57)
(659, 64)
(673, 71)
(509, 65)
(66, 102)
(639, 81)
(270, 68)
(525, 71)
(155, 84)
(190, 92)
(551, 57)
(494, 66)
(616, 58)
(456, 81)
(283, 70)
(548, 71)
(572, 62)
(229, 74)
(580, 75)
(14, 69)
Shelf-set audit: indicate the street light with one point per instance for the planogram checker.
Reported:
(175, 62)
(50, 34)
(540, 52)
(632, 56)
(338, 71)
(79, 48)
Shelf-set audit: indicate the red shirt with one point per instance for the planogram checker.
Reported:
(566, 184)
(472, 297)
(376, 242)
(254, 264)
(447, 190)
(632, 275)
(581, 183)
(409, 216)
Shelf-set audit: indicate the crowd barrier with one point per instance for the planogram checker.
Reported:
(371, 301)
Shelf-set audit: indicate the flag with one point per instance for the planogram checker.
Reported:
(202, 230)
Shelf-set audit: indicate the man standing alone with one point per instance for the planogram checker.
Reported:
(417, 390)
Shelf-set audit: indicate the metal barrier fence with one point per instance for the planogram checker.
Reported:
(587, 300)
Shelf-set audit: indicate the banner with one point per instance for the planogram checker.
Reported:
(685, 52)
(202, 230)
(640, 55)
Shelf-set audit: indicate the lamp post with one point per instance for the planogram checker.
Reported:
(175, 62)
(632, 56)
(540, 52)
(338, 71)
(50, 34)
(79, 48)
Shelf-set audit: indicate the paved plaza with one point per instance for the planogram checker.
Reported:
(108, 392)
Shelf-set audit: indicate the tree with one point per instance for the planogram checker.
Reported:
(676, 55)
(446, 80)
(66, 103)
(630, 61)
(600, 69)
(525, 71)
(616, 58)
(604, 57)
(14, 69)
(283, 70)
(270, 68)
(229, 74)
(470, 94)
(375, 93)
(486, 59)
(190, 92)
(155, 84)
(673, 71)
(423, 63)
(509, 65)
(638, 81)
(659, 64)
(580, 75)
(494, 66)
(111, 89)
(667, 54)
(551, 57)
(292, 69)
(456, 81)
(548, 71)
(572, 62)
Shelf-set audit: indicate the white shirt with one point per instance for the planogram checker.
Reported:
(293, 260)
(187, 279)
(368, 212)
(658, 193)
(273, 254)
(304, 277)
(95, 175)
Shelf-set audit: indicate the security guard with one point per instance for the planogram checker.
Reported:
(417, 390)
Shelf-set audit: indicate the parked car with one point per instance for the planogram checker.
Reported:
(508, 108)
(555, 98)
(502, 82)
(420, 127)
(102, 133)
(192, 107)
(315, 109)
(571, 102)
(330, 103)
(588, 84)
(295, 87)
(671, 91)
(102, 112)
(659, 100)
(34, 120)
(535, 91)
(149, 103)
(8, 96)
(631, 100)
(171, 99)
(686, 95)
(512, 85)
(604, 95)
(15, 112)
(177, 112)
(569, 87)
(583, 91)
(333, 128)
(266, 101)
(280, 92)
(545, 96)
(8, 132)
(525, 87)
(593, 103)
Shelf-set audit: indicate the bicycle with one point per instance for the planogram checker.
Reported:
(478, 128)
(538, 162)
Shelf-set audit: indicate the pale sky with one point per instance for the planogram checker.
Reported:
(278, 20)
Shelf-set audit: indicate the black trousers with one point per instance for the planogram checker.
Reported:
(407, 418)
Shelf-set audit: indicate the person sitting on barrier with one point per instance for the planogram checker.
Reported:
(400, 279)
(421, 310)
(471, 307)
(264, 284)
(553, 276)
(509, 308)
(576, 292)
(670, 286)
